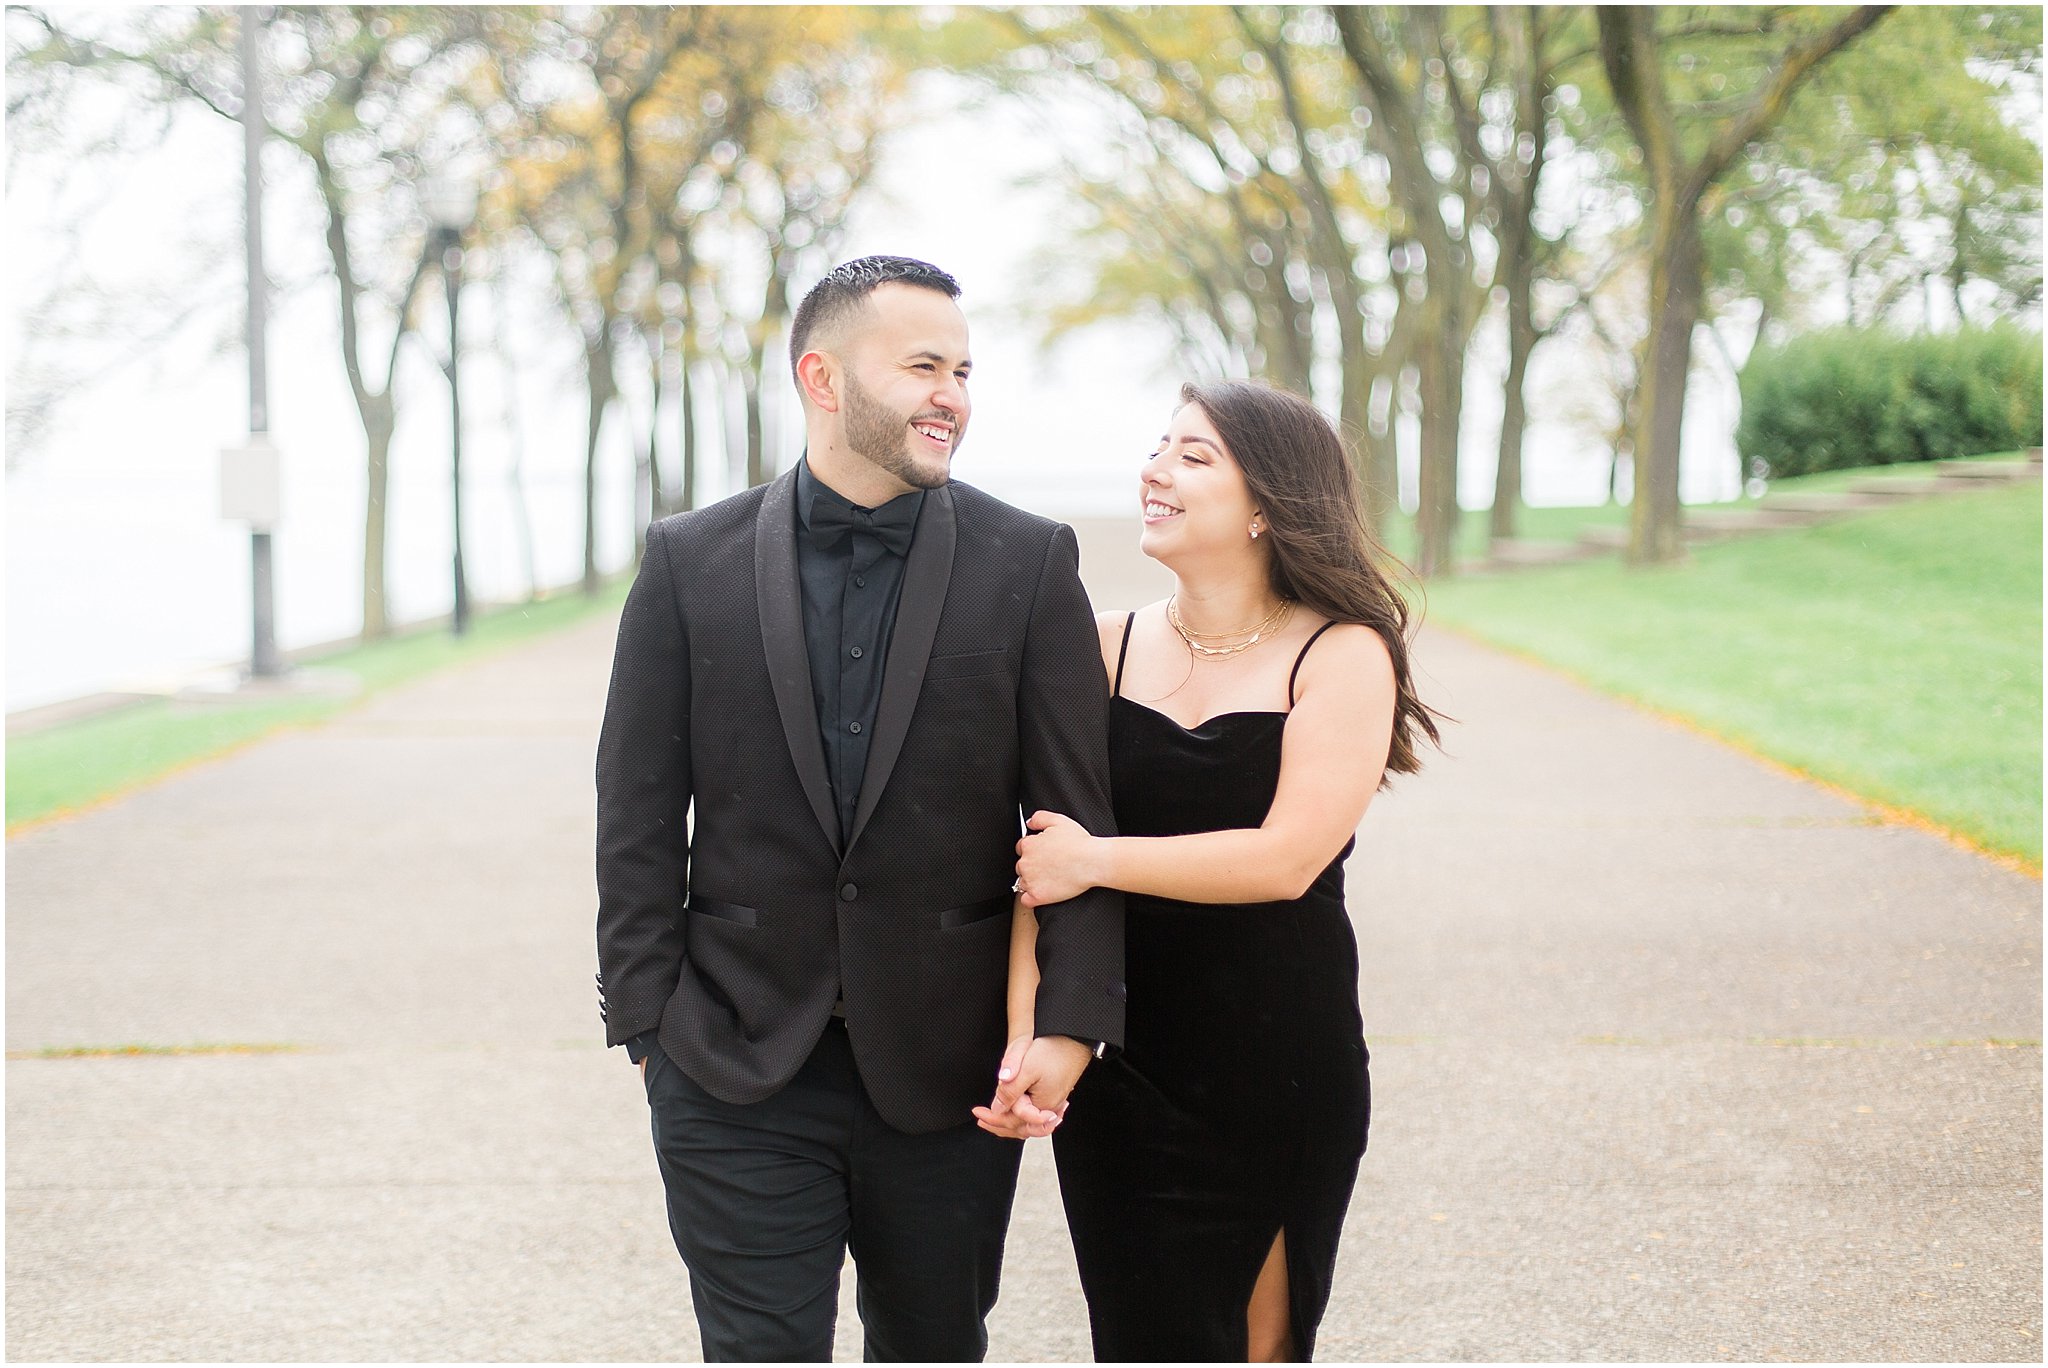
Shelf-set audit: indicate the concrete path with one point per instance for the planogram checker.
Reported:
(1674, 1057)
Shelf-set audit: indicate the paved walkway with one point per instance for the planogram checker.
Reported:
(1675, 1058)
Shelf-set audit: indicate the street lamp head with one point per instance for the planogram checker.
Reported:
(449, 197)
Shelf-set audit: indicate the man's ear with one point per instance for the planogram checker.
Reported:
(817, 377)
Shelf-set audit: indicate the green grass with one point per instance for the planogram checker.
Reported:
(1563, 524)
(1896, 653)
(77, 763)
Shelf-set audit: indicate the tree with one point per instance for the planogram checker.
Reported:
(583, 88)
(1688, 140)
(1400, 74)
(826, 110)
(1499, 77)
(1227, 200)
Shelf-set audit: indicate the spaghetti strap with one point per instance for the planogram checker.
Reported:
(1291, 674)
(1116, 689)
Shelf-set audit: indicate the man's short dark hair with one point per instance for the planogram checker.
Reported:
(846, 288)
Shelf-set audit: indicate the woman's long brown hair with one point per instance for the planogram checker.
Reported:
(1324, 555)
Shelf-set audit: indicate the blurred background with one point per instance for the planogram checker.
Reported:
(1691, 353)
(1452, 227)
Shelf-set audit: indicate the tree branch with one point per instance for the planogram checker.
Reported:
(1771, 101)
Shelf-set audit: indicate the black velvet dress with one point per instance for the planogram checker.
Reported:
(1238, 1107)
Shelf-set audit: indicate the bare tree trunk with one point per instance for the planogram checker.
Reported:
(1443, 386)
(647, 492)
(750, 396)
(1515, 202)
(1286, 329)
(774, 308)
(1354, 407)
(377, 409)
(1507, 480)
(379, 421)
(1958, 268)
(1677, 278)
(1383, 484)
(657, 378)
(686, 497)
(602, 385)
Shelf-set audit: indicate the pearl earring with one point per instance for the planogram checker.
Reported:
(1255, 531)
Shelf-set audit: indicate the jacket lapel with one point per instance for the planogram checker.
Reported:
(926, 577)
(778, 591)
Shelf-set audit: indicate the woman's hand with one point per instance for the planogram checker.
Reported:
(1017, 1118)
(1058, 860)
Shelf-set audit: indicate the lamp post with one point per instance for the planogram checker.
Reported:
(450, 201)
(254, 467)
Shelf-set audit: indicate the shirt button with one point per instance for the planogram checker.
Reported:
(860, 581)
(854, 727)
(855, 653)
(848, 892)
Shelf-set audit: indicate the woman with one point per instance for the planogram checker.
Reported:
(1206, 1169)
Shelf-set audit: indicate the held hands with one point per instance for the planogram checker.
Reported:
(1058, 860)
(1032, 1086)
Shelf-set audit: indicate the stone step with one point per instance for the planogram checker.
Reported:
(1823, 503)
(1516, 552)
(1987, 470)
(1901, 486)
(1709, 522)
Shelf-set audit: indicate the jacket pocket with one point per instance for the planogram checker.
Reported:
(995, 906)
(967, 665)
(724, 911)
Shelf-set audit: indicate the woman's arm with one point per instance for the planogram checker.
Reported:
(996, 1118)
(1331, 760)
(1023, 970)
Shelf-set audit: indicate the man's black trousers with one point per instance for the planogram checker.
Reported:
(765, 1200)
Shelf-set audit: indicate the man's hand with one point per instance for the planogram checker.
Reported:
(1032, 1086)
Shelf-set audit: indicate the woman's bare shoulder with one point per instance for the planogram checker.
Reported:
(1109, 625)
(1350, 652)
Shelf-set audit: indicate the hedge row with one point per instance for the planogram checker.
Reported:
(1863, 396)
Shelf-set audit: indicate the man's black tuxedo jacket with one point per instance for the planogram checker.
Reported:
(733, 927)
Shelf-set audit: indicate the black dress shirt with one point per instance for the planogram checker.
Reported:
(852, 578)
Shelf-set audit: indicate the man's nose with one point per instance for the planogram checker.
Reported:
(950, 394)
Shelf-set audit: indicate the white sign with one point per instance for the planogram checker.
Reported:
(249, 483)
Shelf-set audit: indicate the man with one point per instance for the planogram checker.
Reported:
(833, 696)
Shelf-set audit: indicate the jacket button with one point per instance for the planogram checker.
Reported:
(848, 892)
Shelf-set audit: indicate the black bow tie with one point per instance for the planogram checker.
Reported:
(892, 524)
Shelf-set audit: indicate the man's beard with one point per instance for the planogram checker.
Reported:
(883, 439)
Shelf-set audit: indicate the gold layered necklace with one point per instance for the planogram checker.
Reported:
(1197, 642)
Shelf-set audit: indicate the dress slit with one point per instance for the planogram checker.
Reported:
(1276, 1246)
